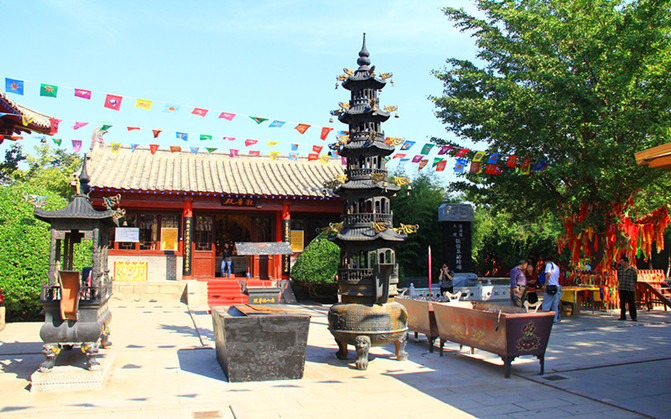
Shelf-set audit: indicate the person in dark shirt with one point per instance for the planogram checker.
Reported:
(518, 284)
(626, 288)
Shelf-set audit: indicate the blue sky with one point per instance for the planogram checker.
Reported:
(272, 59)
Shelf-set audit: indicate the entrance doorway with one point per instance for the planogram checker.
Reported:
(235, 227)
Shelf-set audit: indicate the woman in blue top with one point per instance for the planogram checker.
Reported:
(551, 289)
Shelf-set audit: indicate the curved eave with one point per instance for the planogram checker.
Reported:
(365, 114)
(372, 146)
(79, 209)
(368, 234)
(358, 185)
(39, 122)
(362, 81)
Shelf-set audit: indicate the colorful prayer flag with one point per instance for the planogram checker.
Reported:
(156, 132)
(436, 160)
(462, 152)
(133, 128)
(293, 156)
(494, 158)
(227, 116)
(313, 157)
(105, 127)
(115, 147)
(170, 108)
(426, 149)
(199, 111)
(249, 142)
(48, 90)
(302, 128)
(403, 161)
(525, 166)
(274, 154)
(478, 156)
(258, 119)
(14, 86)
(343, 161)
(204, 137)
(182, 136)
(57, 141)
(143, 104)
(406, 145)
(233, 152)
(276, 124)
(294, 147)
(133, 147)
(460, 165)
(417, 158)
(422, 163)
(399, 156)
(444, 149)
(325, 132)
(538, 166)
(324, 158)
(153, 148)
(475, 167)
(441, 165)
(175, 149)
(256, 153)
(210, 149)
(54, 123)
(229, 138)
(113, 102)
(492, 169)
(512, 161)
(195, 150)
(272, 143)
(317, 149)
(83, 93)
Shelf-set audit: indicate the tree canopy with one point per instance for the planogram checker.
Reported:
(579, 84)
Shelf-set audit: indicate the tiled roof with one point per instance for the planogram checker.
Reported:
(207, 172)
(39, 122)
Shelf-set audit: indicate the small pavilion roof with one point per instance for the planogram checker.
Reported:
(215, 172)
(656, 157)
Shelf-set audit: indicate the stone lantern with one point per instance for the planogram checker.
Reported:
(367, 275)
(76, 300)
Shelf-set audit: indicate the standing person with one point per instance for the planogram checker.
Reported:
(226, 261)
(2, 310)
(446, 279)
(552, 290)
(532, 279)
(626, 288)
(518, 284)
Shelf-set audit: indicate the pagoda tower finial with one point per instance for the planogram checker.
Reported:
(363, 60)
(84, 179)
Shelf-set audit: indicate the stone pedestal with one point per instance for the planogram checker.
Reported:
(70, 374)
(260, 345)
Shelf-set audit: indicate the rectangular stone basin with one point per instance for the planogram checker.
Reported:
(421, 318)
(260, 343)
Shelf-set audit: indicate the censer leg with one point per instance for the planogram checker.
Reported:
(362, 344)
(342, 350)
(50, 352)
(104, 339)
(91, 351)
(401, 354)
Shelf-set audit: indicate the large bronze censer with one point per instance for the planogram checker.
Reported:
(368, 274)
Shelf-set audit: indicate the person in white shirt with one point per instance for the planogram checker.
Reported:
(551, 289)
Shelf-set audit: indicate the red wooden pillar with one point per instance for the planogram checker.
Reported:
(188, 238)
(286, 236)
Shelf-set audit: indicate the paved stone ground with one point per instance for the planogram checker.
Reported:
(163, 365)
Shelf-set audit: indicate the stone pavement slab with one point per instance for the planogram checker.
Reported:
(165, 366)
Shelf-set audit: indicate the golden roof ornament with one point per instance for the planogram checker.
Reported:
(378, 177)
(400, 180)
(407, 229)
(385, 76)
(390, 108)
(379, 227)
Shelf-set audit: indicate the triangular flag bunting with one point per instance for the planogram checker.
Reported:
(441, 165)
(512, 161)
(460, 165)
(83, 93)
(294, 147)
(426, 149)
(317, 149)
(227, 116)
(324, 158)
(199, 111)
(293, 156)
(133, 147)
(249, 142)
(170, 108)
(233, 152)
(444, 149)
(525, 166)
(494, 158)
(195, 150)
(26, 120)
(229, 138)
(57, 141)
(461, 152)
(325, 132)
(302, 128)
(115, 147)
(204, 137)
(276, 124)
(153, 148)
(422, 163)
(475, 167)
(258, 119)
(406, 145)
(210, 149)
(272, 143)
(313, 156)
(399, 156)
(175, 149)
(436, 160)
(156, 132)
(256, 153)
(14, 86)
(274, 154)
(417, 158)
(182, 136)
(133, 128)
(478, 156)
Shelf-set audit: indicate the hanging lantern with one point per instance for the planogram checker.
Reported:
(391, 81)
(331, 120)
(396, 116)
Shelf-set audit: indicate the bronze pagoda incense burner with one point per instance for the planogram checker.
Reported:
(367, 275)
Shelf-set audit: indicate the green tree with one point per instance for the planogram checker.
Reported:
(419, 205)
(579, 84)
(316, 268)
(13, 156)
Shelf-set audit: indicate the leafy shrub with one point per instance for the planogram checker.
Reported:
(316, 268)
(24, 250)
